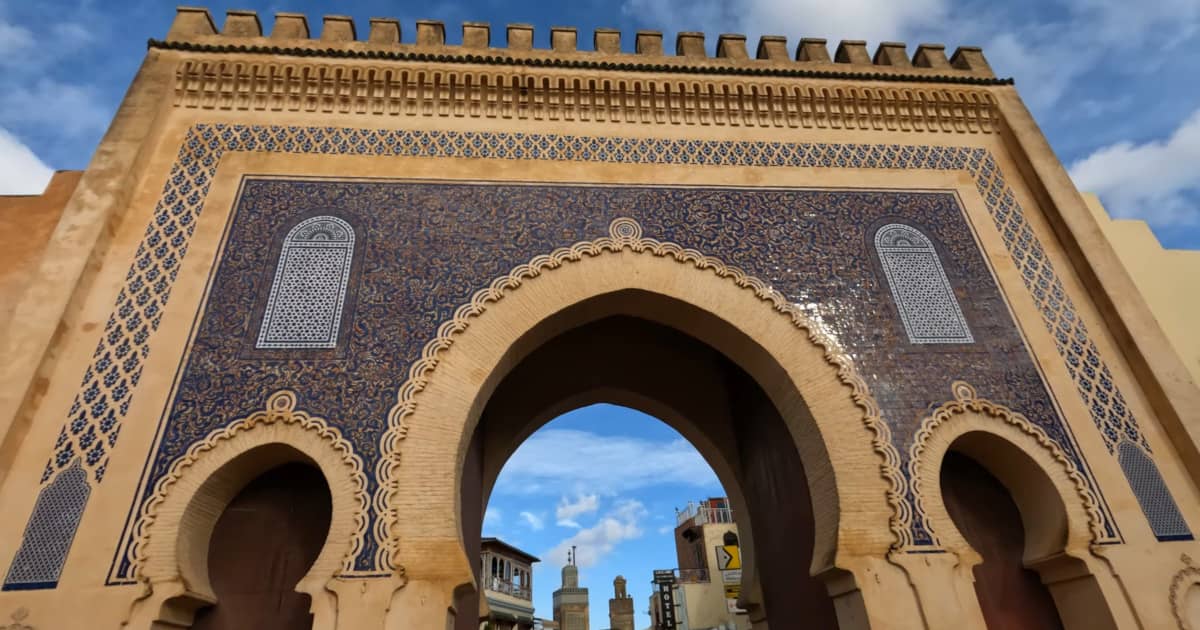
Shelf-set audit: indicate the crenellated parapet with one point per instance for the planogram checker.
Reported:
(243, 31)
(394, 72)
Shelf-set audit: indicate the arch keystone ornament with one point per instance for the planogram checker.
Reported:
(625, 234)
(170, 553)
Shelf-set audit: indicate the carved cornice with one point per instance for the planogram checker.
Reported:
(549, 94)
(625, 234)
(496, 58)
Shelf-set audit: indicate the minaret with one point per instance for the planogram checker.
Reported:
(620, 607)
(570, 601)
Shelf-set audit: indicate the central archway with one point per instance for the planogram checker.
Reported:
(701, 394)
(797, 372)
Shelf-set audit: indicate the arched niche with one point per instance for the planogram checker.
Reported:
(176, 523)
(1058, 511)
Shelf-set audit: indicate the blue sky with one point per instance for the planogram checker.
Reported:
(607, 479)
(1112, 82)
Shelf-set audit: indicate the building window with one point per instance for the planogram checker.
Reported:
(924, 298)
(304, 309)
(1152, 494)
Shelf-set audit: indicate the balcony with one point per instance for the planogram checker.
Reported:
(505, 587)
(693, 576)
(702, 514)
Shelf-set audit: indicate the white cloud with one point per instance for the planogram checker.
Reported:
(566, 512)
(599, 540)
(13, 40)
(69, 109)
(1157, 181)
(567, 462)
(666, 529)
(534, 521)
(21, 172)
(492, 516)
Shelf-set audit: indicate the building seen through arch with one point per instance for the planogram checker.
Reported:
(266, 357)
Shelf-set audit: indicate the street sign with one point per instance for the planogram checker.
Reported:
(728, 557)
(666, 603)
(732, 576)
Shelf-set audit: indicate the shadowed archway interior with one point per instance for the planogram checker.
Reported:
(1011, 596)
(263, 544)
(704, 396)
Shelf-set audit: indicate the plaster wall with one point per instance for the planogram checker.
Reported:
(1162, 277)
(26, 223)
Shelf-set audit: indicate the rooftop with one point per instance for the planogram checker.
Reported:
(507, 549)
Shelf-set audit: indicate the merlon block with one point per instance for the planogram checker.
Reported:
(476, 35)
(970, 58)
(338, 28)
(891, 54)
(607, 40)
(772, 47)
(690, 44)
(564, 38)
(290, 26)
(191, 21)
(852, 51)
(384, 31)
(812, 49)
(649, 43)
(931, 56)
(431, 33)
(732, 46)
(242, 24)
(520, 36)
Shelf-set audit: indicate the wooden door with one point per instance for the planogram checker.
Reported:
(1011, 596)
(264, 542)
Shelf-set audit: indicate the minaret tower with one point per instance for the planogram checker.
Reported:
(620, 607)
(571, 601)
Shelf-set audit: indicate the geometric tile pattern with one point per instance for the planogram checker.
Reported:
(304, 309)
(102, 401)
(1152, 493)
(923, 294)
(50, 531)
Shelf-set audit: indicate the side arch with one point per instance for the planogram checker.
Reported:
(794, 358)
(1078, 514)
(1059, 512)
(171, 552)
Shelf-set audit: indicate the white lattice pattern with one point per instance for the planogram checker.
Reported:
(923, 294)
(1152, 494)
(309, 291)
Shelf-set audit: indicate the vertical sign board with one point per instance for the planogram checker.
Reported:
(666, 599)
(729, 563)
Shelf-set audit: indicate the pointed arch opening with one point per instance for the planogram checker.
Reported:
(1016, 512)
(713, 404)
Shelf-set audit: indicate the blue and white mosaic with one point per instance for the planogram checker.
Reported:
(102, 403)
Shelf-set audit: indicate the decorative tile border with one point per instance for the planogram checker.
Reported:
(94, 420)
